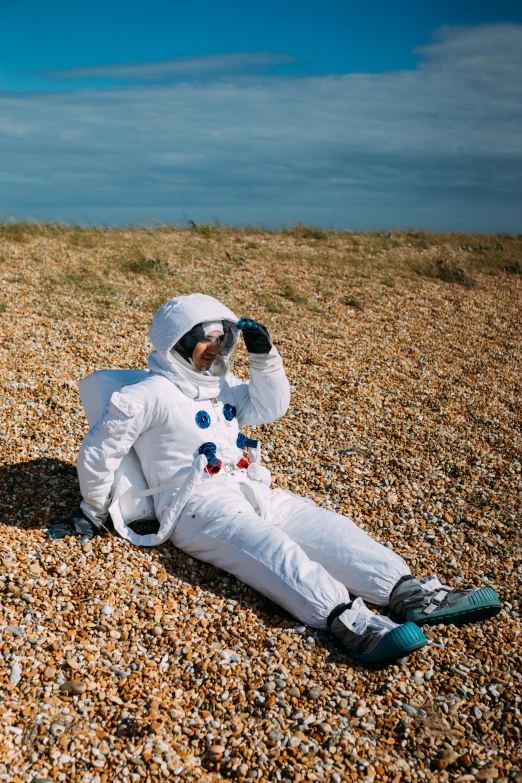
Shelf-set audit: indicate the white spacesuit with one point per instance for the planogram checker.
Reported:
(215, 507)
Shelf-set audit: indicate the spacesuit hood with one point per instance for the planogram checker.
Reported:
(179, 315)
(170, 323)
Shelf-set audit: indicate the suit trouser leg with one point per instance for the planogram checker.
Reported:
(367, 568)
(220, 527)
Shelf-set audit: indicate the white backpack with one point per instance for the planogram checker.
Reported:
(95, 392)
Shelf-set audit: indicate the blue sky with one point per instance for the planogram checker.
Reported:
(340, 114)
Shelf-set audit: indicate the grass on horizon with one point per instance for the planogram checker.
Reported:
(302, 267)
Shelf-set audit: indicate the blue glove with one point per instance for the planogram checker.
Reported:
(255, 335)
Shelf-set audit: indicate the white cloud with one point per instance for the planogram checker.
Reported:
(439, 146)
(199, 66)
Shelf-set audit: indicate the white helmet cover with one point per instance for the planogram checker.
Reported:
(180, 314)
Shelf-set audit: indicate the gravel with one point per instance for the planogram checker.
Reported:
(126, 664)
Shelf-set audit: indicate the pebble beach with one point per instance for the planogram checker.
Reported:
(129, 664)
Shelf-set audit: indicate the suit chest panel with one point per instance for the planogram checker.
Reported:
(194, 422)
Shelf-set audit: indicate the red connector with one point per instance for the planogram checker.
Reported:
(212, 470)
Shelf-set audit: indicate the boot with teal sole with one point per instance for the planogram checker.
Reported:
(371, 638)
(427, 602)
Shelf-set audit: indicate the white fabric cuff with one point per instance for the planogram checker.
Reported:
(265, 363)
(98, 517)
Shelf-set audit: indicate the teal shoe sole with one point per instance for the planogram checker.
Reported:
(478, 606)
(397, 643)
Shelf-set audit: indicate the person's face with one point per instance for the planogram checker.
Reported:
(206, 351)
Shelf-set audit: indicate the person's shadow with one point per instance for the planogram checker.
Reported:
(37, 493)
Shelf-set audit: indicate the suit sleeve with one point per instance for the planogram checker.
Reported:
(266, 396)
(103, 448)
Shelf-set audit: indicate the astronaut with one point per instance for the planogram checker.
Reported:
(214, 501)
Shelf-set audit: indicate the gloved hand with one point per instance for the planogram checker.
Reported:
(213, 463)
(257, 339)
(76, 524)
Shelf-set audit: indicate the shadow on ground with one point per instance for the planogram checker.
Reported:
(36, 493)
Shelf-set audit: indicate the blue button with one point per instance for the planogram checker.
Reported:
(203, 419)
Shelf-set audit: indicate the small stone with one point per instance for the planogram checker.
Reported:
(275, 735)
(16, 674)
(107, 610)
(16, 630)
(216, 751)
(49, 673)
(157, 630)
(73, 687)
(315, 692)
(294, 692)
(57, 730)
(324, 728)
(360, 711)
(446, 758)
(268, 687)
(487, 772)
